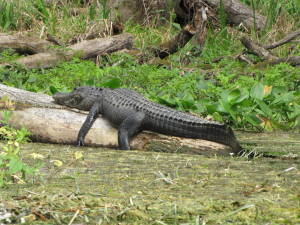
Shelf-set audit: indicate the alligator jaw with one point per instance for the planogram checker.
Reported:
(61, 98)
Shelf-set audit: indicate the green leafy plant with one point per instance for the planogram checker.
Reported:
(12, 168)
(244, 96)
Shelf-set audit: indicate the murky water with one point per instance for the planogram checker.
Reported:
(131, 187)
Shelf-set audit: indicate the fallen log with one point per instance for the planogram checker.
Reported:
(24, 45)
(194, 17)
(53, 123)
(85, 49)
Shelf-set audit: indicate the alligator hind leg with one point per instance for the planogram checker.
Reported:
(129, 127)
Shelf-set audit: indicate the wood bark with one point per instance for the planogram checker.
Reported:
(24, 45)
(194, 17)
(240, 14)
(197, 27)
(173, 45)
(237, 13)
(285, 40)
(267, 55)
(85, 49)
(53, 123)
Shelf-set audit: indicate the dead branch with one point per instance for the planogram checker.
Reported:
(292, 60)
(54, 40)
(198, 27)
(173, 45)
(257, 49)
(285, 40)
(267, 55)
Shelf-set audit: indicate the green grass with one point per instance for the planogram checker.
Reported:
(159, 188)
(247, 97)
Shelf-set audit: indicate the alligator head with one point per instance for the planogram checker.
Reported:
(82, 98)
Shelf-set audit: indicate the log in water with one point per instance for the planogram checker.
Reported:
(52, 123)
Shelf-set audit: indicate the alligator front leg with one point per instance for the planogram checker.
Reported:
(129, 127)
(92, 116)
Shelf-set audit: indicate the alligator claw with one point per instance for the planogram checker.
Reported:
(80, 142)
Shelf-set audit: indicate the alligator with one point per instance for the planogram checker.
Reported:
(131, 113)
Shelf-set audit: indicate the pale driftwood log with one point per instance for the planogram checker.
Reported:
(52, 123)
(84, 49)
(24, 45)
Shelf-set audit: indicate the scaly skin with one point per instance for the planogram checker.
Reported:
(131, 113)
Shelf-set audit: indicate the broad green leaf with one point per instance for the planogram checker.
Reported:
(113, 83)
(211, 108)
(284, 98)
(53, 89)
(188, 101)
(200, 108)
(265, 109)
(233, 96)
(228, 108)
(244, 94)
(253, 119)
(217, 116)
(166, 100)
(295, 113)
(257, 91)
(90, 82)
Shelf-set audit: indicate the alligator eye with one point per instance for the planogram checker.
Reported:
(77, 97)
